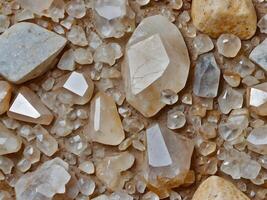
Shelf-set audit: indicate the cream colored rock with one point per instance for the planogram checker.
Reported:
(5, 95)
(215, 17)
(216, 188)
(156, 59)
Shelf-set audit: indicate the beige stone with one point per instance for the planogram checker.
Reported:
(215, 17)
(216, 188)
(5, 95)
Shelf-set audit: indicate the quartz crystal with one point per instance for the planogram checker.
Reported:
(36, 6)
(175, 119)
(150, 65)
(207, 77)
(262, 24)
(230, 99)
(257, 98)
(78, 86)
(67, 61)
(83, 56)
(5, 96)
(17, 46)
(87, 167)
(202, 44)
(168, 159)
(6, 164)
(233, 79)
(228, 45)
(76, 144)
(86, 186)
(113, 18)
(169, 97)
(76, 8)
(259, 54)
(77, 36)
(109, 169)
(49, 179)
(101, 128)
(257, 140)
(28, 107)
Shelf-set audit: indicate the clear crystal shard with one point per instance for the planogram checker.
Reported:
(169, 159)
(101, 128)
(259, 55)
(49, 179)
(203, 43)
(110, 9)
(257, 140)
(5, 96)
(36, 6)
(207, 76)
(28, 107)
(146, 75)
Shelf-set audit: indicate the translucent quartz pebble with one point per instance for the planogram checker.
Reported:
(5, 96)
(77, 36)
(233, 79)
(24, 15)
(150, 196)
(28, 107)
(46, 181)
(209, 190)
(259, 54)
(4, 23)
(175, 119)
(10, 142)
(76, 8)
(67, 61)
(36, 6)
(143, 2)
(87, 167)
(78, 85)
(100, 128)
(108, 53)
(176, 4)
(152, 47)
(31, 153)
(262, 24)
(76, 144)
(169, 97)
(6, 164)
(20, 65)
(257, 98)
(86, 186)
(109, 169)
(257, 140)
(230, 99)
(113, 18)
(169, 159)
(202, 44)
(207, 76)
(120, 195)
(83, 56)
(228, 45)
(44, 141)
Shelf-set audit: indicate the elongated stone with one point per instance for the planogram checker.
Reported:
(259, 55)
(168, 159)
(49, 179)
(36, 6)
(151, 66)
(9, 142)
(28, 107)
(257, 140)
(27, 51)
(5, 96)
(217, 188)
(207, 76)
(257, 98)
(105, 125)
(225, 16)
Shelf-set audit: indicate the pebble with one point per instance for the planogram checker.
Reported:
(228, 45)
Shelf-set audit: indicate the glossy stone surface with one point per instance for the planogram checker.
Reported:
(27, 51)
(5, 96)
(259, 55)
(146, 75)
(35, 6)
(217, 188)
(9, 141)
(49, 179)
(207, 77)
(101, 128)
(168, 159)
(228, 45)
(257, 140)
(225, 16)
(28, 107)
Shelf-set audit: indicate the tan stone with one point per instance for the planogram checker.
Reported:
(5, 95)
(215, 17)
(216, 188)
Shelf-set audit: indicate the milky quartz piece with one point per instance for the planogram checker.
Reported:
(207, 76)
(27, 51)
(49, 179)
(169, 159)
(5, 95)
(225, 16)
(105, 125)
(36, 6)
(228, 45)
(217, 188)
(257, 140)
(28, 107)
(259, 55)
(203, 43)
(79, 85)
(156, 59)
(257, 98)
(109, 169)
(9, 141)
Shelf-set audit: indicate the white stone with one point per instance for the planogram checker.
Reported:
(76, 83)
(27, 50)
(259, 55)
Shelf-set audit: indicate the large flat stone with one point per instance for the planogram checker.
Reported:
(27, 51)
